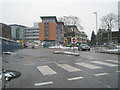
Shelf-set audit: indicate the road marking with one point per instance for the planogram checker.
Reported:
(75, 78)
(118, 71)
(45, 70)
(104, 63)
(43, 83)
(88, 65)
(78, 60)
(101, 74)
(68, 68)
(29, 64)
(114, 61)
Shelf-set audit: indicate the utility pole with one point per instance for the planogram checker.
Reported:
(96, 31)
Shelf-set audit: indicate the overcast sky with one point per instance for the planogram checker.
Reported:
(28, 12)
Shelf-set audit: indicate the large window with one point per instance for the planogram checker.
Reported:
(46, 31)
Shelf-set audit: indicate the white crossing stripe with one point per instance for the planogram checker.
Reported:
(68, 68)
(88, 65)
(104, 63)
(45, 70)
(43, 83)
(101, 74)
(75, 78)
(118, 71)
(114, 61)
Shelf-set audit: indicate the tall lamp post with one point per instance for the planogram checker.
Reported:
(96, 31)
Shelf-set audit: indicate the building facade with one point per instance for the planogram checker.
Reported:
(103, 37)
(31, 34)
(17, 32)
(72, 31)
(5, 31)
(50, 30)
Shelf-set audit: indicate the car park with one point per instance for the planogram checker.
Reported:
(83, 47)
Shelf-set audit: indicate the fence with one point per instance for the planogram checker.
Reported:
(7, 45)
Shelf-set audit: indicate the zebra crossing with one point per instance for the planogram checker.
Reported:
(90, 66)
(46, 70)
(104, 63)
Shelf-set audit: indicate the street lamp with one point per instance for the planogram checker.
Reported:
(96, 30)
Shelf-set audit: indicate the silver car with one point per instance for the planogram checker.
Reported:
(83, 47)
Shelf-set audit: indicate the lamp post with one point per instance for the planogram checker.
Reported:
(96, 31)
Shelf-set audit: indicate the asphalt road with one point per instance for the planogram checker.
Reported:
(40, 68)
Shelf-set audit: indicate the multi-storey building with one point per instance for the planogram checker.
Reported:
(32, 34)
(103, 37)
(50, 30)
(17, 32)
(72, 31)
(5, 31)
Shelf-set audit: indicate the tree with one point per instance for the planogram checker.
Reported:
(109, 22)
(93, 38)
(71, 20)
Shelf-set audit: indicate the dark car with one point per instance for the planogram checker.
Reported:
(83, 47)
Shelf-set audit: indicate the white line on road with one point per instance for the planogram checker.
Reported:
(45, 70)
(88, 65)
(101, 74)
(75, 78)
(43, 83)
(104, 63)
(118, 71)
(68, 68)
(29, 64)
(114, 61)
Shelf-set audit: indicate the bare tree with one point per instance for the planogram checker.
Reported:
(109, 22)
(71, 20)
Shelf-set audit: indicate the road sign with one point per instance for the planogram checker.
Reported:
(73, 40)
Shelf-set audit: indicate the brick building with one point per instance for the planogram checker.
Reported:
(5, 31)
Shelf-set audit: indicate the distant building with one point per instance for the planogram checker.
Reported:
(17, 32)
(103, 37)
(31, 34)
(83, 38)
(60, 31)
(5, 31)
(49, 30)
(72, 31)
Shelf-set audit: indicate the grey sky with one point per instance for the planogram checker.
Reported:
(26, 13)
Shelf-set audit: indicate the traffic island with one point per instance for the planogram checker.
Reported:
(66, 53)
(108, 51)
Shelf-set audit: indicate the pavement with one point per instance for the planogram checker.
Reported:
(106, 50)
(40, 68)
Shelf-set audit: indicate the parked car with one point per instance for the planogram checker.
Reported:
(83, 47)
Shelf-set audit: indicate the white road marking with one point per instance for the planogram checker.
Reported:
(101, 74)
(88, 65)
(78, 60)
(118, 71)
(45, 70)
(68, 68)
(43, 83)
(104, 63)
(75, 78)
(114, 61)
(29, 64)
